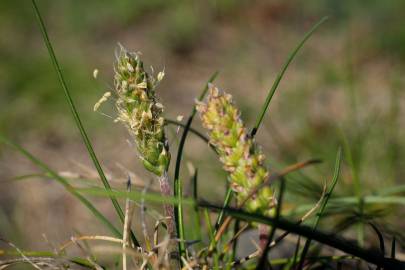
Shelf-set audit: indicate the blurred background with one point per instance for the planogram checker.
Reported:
(345, 87)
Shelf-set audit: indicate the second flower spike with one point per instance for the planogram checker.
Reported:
(240, 156)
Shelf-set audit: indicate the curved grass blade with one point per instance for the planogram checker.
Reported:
(177, 183)
(75, 114)
(66, 185)
(323, 206)
(380, 237)
(169, 121)
(281, 74)
(77, 260)
(331, 240)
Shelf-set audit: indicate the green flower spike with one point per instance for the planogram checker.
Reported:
(240, 156)
(140, 111)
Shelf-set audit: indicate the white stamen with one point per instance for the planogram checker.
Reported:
(95, 73)
(160, 75)
(179, 118)
(103, 99)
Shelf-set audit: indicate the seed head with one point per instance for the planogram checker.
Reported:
(240, 156)
(140, 111)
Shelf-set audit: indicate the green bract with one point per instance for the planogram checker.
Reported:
(240, 156)
(139, 109)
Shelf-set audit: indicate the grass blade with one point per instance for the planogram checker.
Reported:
(323, 206)
(137, 196)
(263, 259)
(393, 247)
(177, 183)
(200, 135)
(297, 249)
(66, 185)
(75, 114)
(380, 237)
(220, 218)
(196, 230)
(281, 74)
(234, 245)
(331, 240)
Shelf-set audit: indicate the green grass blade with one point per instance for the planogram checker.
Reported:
(232, 257)
(351, 200)
(211, 235)
(221, 216)
(323, 206)
(75, 114)
(66, 185)
(209, 224)
(281, 74)
(196, 228)
(137, 196)
(28, 176)
(177, 183)
(391, 190)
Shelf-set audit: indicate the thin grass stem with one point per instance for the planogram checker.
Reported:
(75, 114)
(178, 192)
(281, 74)
(323, 206)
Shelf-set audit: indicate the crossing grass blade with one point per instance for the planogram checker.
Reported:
(54, 175)
(169, 121)
(281, 74)
(347, 246)
(177, 183)
(137, 196)
(76, 116)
